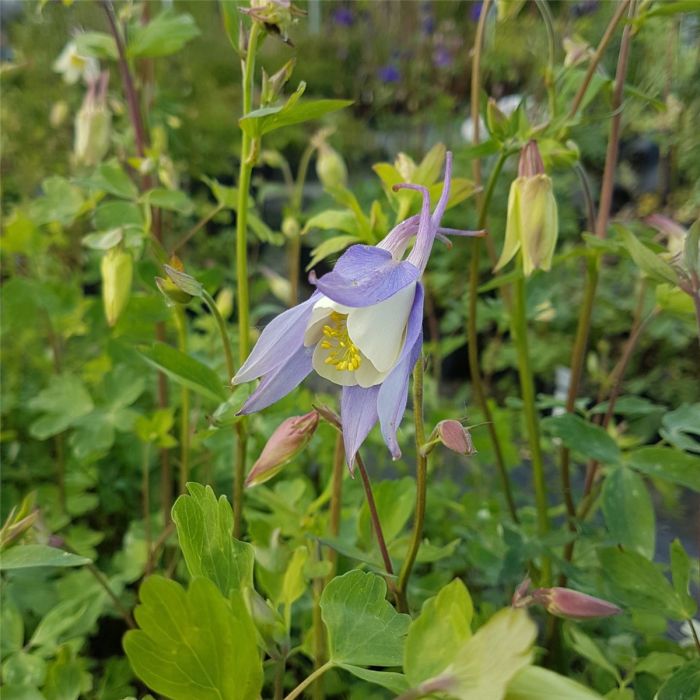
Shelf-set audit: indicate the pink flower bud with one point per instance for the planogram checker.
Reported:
(563, 602)
(454, 436)
(290, 438)
(530, 163)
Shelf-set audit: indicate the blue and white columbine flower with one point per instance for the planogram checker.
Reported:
(360, 329)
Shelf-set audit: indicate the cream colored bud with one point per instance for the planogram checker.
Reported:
(117, 271)
(330, 167)
(93, 125)
(224, 302)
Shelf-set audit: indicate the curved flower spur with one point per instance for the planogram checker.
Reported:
(360, 329)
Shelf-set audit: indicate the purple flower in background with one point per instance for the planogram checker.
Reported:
(475, 11)
(344, 17)
(362, 329)
(389, 74)
(442, 57)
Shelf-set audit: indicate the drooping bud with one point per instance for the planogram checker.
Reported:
(532, 223)
(455, 437)
(178, 287)
(330, 167)
(573, 605)
(117, 271)
(93, 124)
(288, 440)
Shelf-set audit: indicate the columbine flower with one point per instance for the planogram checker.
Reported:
(532, 224)
(73, 65)
(361, 329)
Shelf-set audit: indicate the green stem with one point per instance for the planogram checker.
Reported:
(243, 301)
(472, 339)
(146, 498)
(309, 680)
(221, 325)
(543, 7)
(421, 488)
(527, 387)
(181, 325)
(320, 654)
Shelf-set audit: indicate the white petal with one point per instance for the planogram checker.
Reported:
(367, 374)
(321, 311)
(329, 372)
(379, 330)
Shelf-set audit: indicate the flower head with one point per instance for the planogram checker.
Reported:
(361, 329)
(72, 65)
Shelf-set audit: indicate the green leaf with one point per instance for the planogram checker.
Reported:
(659, 664)
(536, 683)
(97, 44)
(436, 635)
(680, 576)
(70, 619)
(583, 437)
(329, 247)
(61, 202)
(332, 220)
(682, 427)
(667, 463)
(194, 645)
(232, 20)
(363, 627)
(204, 527)
(62, 403)
(395, 682)
(118, 215)
(165, 34)
(395, 500)
(186, 371)
(262, 121)
(647, 261)
(111, 178)
(65, 678)
(24, 669)
(684, 684)
(629, 512)
(586, 647)
(103, 240)
(172, 200)
(26, 556)
(485, 663)
(638, 583)
(293, 583)
(664, 9)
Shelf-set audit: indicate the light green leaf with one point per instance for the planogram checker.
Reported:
(486, 663)
(587, 648)
(194, 645)
(536, 683)
(22, 668)
(12, 638)
(65, 678)
(262, 121)
(26, 556)
(186, 371)
(118, 215)
(111, 178)
(294, 584)
(103, 240)
(395, 500)
(62, 403)
(680, 576)
(682, 427)
(667, 463)
(204, 527)
(68, 619)
(659, 664)
(329, 247)
(436, 635)
(332, 219)
(172, 200)
(638, 583)
(629, 512)
(684, 684)
(583, 437)
(363, 627)
(97, 44)
(395, 682)
(664, 9)
(165, 34)
(646, 260)
(61, 202)
(232, 20)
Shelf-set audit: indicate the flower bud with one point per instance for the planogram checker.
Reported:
(224, 302)
(290, 438)
(330, 167)
(564, 602)
(93, 125)
(117, 271)
(272, 84)
(455, 437)
(496, 121)
(532, 223)
(290, 226)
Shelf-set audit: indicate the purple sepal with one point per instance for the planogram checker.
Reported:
(393, 394)
(365, 275)
(358, 413)
(282, 336)
(281, 381)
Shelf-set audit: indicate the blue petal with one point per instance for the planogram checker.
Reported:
(281, 337)
(358, 413)
(393, 394)
(281, 381)
(365, 275)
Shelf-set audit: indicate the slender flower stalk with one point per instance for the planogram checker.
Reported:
(421, 489)
(181, 326)
(243, 301)
(527, 388)
(309, 680)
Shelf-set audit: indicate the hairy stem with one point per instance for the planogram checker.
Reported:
(527, 388)
(421, 489)
(243, 301)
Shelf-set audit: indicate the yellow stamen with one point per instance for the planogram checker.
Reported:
(344, 355)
